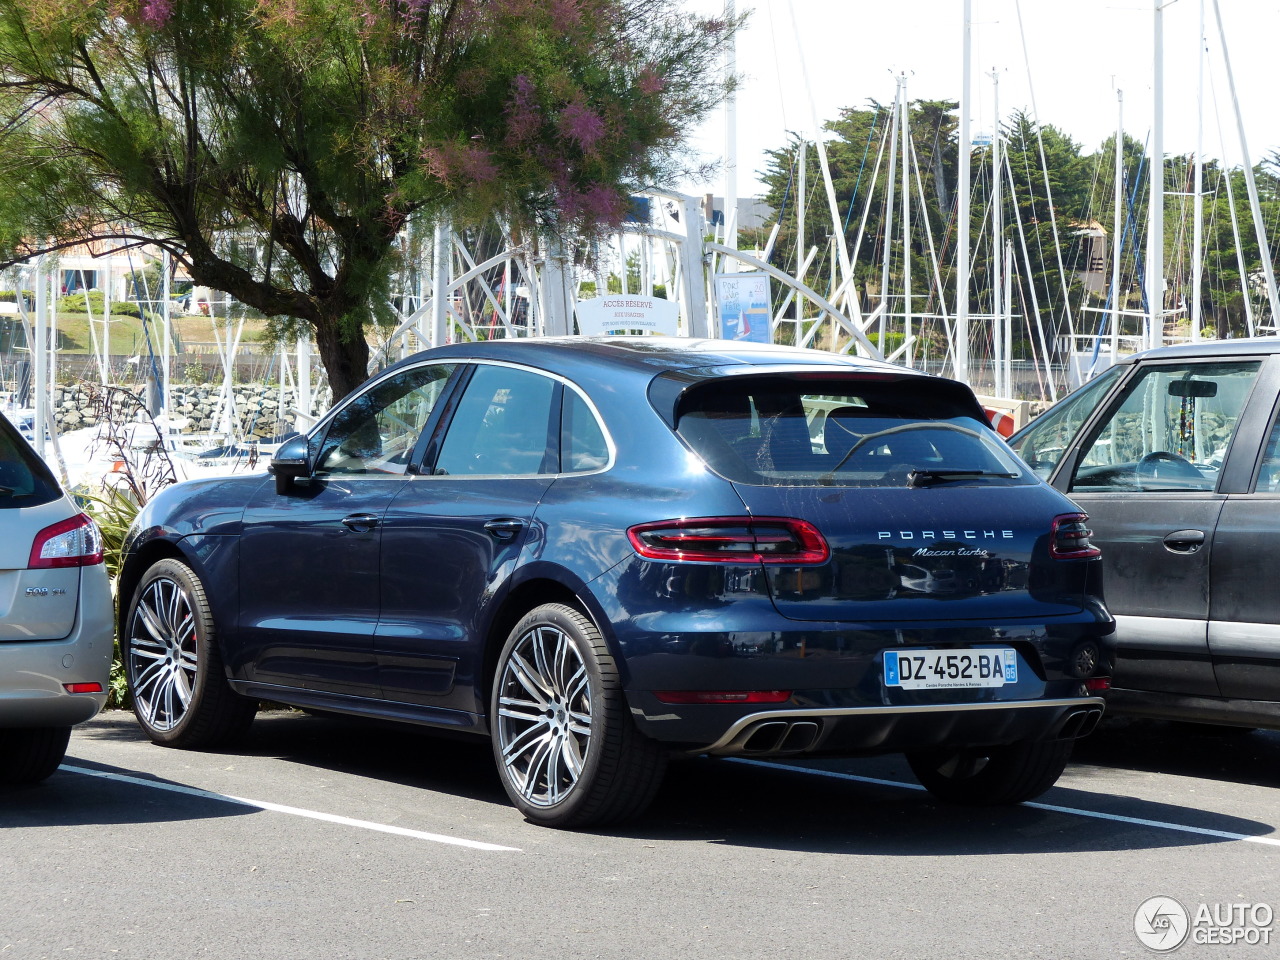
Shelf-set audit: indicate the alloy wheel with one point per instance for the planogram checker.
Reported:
(163, 654)
(544, 715)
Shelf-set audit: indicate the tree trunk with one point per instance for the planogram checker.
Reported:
(345, 355)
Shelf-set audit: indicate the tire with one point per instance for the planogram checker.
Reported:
(30, 755)
(992, 776)
(568, 752)
(172, 665)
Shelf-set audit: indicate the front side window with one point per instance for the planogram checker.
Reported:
(1170, 430)
(1043, 443)
(780, 432)
(502, 426)
(376, 432)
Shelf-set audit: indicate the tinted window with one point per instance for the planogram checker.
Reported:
(1169, 431)
(1043, 443)
(502, 426)
(376, 432)
(1269, 473)
(24, 479)
(582, 442)
(771, 431)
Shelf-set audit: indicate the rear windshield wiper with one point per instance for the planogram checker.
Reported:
(924, 478)
(7, 491)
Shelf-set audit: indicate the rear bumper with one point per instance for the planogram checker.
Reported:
(867, 730)
(32, 674)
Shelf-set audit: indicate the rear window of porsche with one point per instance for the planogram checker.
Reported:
(789, 432)
(24, 479)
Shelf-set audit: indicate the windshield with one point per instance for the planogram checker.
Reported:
(779, 432)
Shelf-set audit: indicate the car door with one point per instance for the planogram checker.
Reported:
(452, 535)
(1147, 473)
(1244, 610)
(309, 555)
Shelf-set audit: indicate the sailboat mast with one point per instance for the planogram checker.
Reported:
(1197, 238)
(888, 220)
(731, 137)
(801, 195)
(1155, 222)
(906, 223)
(1117, 230)
(997, 226)
(961, 347)
(40, 357)
(1259, 224)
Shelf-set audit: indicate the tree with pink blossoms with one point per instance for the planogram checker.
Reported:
(314, 132)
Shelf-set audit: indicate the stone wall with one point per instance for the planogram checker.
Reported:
(258, 408)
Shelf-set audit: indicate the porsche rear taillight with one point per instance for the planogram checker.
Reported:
(1069, 538)
(731, 540)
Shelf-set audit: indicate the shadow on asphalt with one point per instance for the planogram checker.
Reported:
(759, 806)
(721, 801)
(73, 799)
(1227, 754)
(395, 753)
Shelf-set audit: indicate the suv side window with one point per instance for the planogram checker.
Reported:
(376, 432)
(502, 426)
(583, 446)
(1170, 431)
(1043, 443)
(1269, 473)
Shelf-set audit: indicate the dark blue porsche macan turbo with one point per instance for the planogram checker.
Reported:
(601, 552)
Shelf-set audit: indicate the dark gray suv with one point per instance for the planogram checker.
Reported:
(1175, 455)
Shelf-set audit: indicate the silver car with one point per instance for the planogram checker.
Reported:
(56, 629)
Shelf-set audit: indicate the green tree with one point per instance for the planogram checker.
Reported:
(279, 148)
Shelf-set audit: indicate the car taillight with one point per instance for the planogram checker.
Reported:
(731, 540)
(74, 542)
(723, 696)
(1069, 539)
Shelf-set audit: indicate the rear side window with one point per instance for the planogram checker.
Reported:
(779, 432)
(24, 479)
(583, 447)
(502, 426)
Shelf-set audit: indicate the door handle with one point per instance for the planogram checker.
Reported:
(360, 522)
(1184, 541)
(504, 528)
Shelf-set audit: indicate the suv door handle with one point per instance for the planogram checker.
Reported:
(504, 528)
(360, 522)
(1184, 541)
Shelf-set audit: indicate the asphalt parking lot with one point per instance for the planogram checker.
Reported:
(328, 838)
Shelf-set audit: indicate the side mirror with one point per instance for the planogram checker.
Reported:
(290, 463)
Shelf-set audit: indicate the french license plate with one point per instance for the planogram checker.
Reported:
(949, 669)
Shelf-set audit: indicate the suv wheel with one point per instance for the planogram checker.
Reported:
(180, 693)
(31, 755)
(568, 751)
(990, 776)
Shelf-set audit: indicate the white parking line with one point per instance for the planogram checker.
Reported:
(292, 811)
(1054, 808)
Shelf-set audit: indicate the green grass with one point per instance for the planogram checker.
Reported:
(127, 338)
